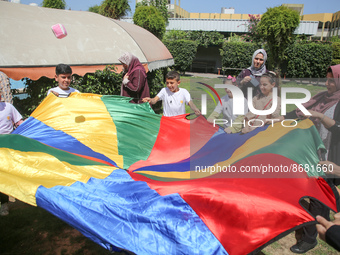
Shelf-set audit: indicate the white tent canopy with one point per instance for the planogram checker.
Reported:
(30, 49)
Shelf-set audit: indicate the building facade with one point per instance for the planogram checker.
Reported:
(334, 28)
(328, 23)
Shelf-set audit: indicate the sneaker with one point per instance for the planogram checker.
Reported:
(302, 246)
(4, 209)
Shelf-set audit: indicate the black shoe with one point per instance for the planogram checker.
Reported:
(302, 246)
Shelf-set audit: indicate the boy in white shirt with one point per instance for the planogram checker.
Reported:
(63, 75)
(173, 97)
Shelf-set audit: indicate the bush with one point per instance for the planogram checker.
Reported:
(156, 81)
(336, 53)
(106, 82)
(183, 51)
(308, 60)
(335, 62)
(206, 38)
(334, 38)
(174, 34)
(36, 91)
(237, 55)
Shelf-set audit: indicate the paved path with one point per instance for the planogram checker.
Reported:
(315, 81)
(205, 75)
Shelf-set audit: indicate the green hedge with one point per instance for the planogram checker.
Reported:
(237, 55)
(183, 52)
(336, 53)
(206, 38)
(308, 60)
(106, 82)
(335, 62)
(304, 60)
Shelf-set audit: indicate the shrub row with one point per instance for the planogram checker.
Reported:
(237, 55)
(336, 53)
(106, 82)
(304, 60)
(308, 60)
(183, 52)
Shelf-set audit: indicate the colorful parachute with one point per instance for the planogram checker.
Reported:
(130, 179)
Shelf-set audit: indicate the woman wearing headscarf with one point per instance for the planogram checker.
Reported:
(251, 76)
(325, 110)
(135, 83)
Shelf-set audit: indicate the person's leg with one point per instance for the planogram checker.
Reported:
(3, 198)
(309, 233)
(4, 204)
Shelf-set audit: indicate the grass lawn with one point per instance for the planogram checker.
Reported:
(32, 230)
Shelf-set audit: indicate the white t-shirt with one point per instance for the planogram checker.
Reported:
(61, 92)
(227, 109)
(8, 116)
(174, 103)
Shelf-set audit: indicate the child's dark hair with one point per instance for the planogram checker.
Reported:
(63, 69)
(173, 75)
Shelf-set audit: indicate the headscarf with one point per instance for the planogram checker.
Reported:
(132, 62)
(323, 101)
(336, 74)
(262, 69)
(5, 89)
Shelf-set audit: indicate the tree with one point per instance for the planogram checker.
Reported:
(253, 35)
(149, 17)
(94, 9)
(161, 6)
(277, 26)
(56, 4)
(114, 9)
(336, 53)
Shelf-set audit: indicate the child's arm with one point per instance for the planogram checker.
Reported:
(237, 125)
(213, 116)
(53, 92)
(194, 108)
(247, 128)
(18, 123)
(150, 100)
